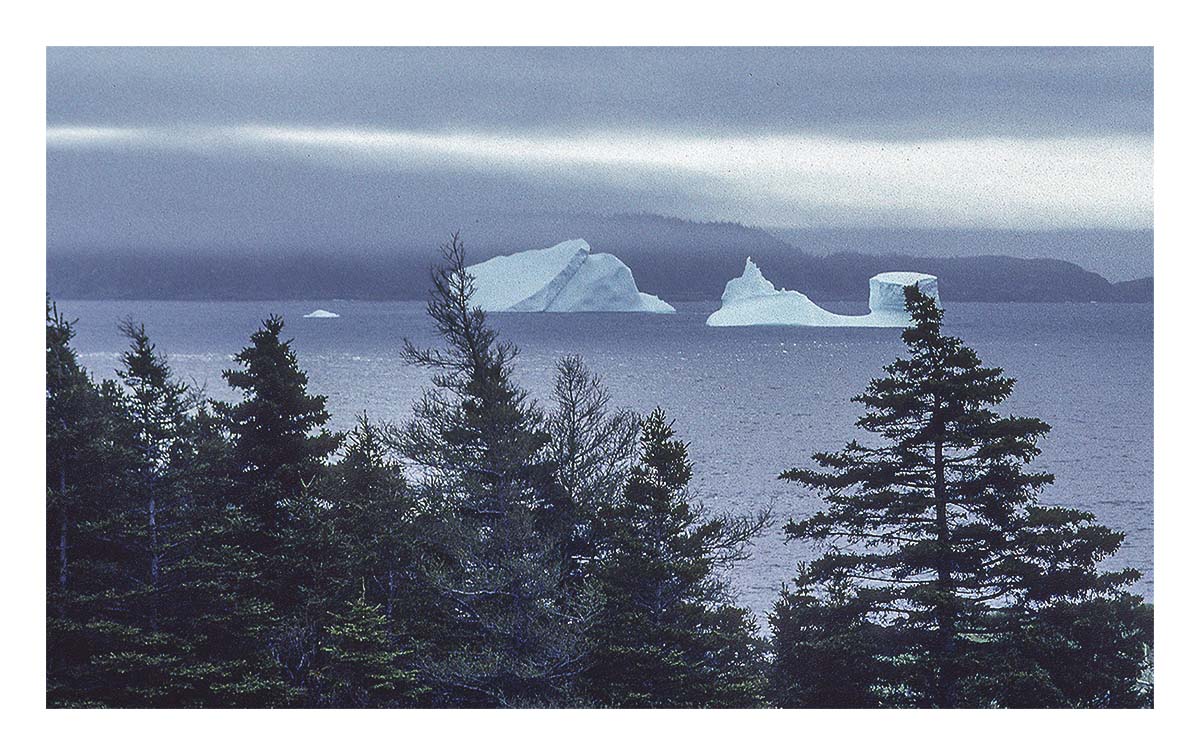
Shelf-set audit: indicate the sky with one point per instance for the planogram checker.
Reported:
(340, 148)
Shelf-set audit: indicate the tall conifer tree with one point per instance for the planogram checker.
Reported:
(512, 633)
(279, 450)
(278, 429)
(940, 537)
(156, 406)
(354, 553)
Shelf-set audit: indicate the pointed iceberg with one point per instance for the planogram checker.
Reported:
(566, 277)
(748, 285)
(321, 314)
(751, 299)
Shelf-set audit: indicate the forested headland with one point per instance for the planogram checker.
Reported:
(488, 551)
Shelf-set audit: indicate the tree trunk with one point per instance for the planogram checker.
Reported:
(63, 525)
(391, 594)
(154, 563)
(945, 584)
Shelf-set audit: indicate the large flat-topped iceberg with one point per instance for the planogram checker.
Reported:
(567, 277)
(887, 290)
(751, 299)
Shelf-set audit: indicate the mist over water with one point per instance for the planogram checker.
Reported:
(750, 401)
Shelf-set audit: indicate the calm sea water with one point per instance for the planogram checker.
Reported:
(750, 401)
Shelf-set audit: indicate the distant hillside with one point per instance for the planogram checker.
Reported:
(1141, 289)
(1116, 254)
(673, 258)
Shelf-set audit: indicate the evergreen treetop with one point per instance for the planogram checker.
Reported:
(278, 429)
(669, 634)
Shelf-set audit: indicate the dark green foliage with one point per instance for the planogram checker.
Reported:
(939, 535)
(137, 537)
(1087, 654)
(669, 635)
(226, 622)
(95, 590)
(512, 630)
(84, 432)
(155, 405)
(827, 654)
(278, 429)
(360, 666)
(375, 516)
(351, 553)
(591, 449)
(278, 446)
(218, 604)
(157, 608)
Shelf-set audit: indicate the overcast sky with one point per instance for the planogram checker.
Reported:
(190, 148)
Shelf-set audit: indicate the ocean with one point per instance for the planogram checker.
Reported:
(751, 402)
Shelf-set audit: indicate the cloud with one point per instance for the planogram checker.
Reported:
(781, 179)
(859, 92)
(92, 136)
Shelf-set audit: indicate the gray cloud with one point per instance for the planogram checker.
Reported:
(189, 147)
(1063, 182)
(861, 92)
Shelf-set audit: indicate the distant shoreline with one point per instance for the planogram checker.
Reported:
(714, 302)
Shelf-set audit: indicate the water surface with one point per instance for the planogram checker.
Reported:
(750, 401)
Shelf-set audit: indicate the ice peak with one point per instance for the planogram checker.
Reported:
(749, 284)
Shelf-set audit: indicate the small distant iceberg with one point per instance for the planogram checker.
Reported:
(566, 277)
(321, 314)
(751, 299)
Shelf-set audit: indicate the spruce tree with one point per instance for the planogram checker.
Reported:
(592, 447)
(156, 406)
(80, 421)
(164, 585)
(219, 606)
(508, 631)
(379, 517)
(350, 549)
(278, 429)
(669, 634)
(280, 448)
(375, 514)
(361, 665)
(939, 532)
(139, 534)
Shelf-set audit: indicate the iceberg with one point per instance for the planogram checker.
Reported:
(751, 299)
(567, 277)
(321, 314)
(887, 295)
